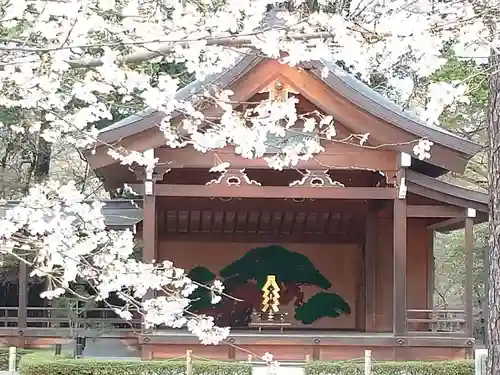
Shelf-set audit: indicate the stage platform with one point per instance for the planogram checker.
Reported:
(291, 345)
(295, 345)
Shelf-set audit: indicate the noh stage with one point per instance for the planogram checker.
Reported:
(347, 235)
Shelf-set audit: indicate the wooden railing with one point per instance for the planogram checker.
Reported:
(435, 320)
(52, 317)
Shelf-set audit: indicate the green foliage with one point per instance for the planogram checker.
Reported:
(50, 365)
(201, 298)
(449, 255)
(4, 357)
(321, 305)
(468, 120)
(288, 266)
(466, 71)
(201, 275)
(392, 368)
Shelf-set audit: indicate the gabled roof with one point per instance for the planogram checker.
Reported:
(118, 213)
(338, 81)
(149, 118)
(445, 192)
(374, 103)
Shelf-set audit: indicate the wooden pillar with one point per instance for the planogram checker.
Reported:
(149, 232)
(399, 249)
(431, 270)
(149, 224)
(469, 267)
(22, 313)
(370, 271)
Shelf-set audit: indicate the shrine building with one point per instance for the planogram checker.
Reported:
(345, 238)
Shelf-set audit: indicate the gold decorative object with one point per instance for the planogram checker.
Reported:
(278, 91)
(269, 315)
(270, 296)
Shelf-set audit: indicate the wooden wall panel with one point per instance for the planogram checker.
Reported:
(383, 276)
(339, 263)
(417, 270)
(417, 266)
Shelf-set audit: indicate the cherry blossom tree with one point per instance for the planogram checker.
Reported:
(70, 64)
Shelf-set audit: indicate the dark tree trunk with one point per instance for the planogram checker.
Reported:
(42, 166)
(494, 223)
(40, 162)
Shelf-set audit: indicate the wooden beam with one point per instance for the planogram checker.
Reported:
(399, 262)
(335, 156)
(469, 269)
(283, 192)
(458, 201)
(371, 241)
(22, 314)
(446, 224)
(331, 338)
(263, 237)
(429, 211)
(256, 204)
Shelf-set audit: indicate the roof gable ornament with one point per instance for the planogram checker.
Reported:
(278, 91)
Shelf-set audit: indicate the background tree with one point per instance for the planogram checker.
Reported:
(494, 224)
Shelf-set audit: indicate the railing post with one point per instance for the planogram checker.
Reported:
(469, 269)
(435, 323)
(368, 362)
(12, 359)
(189, 362)
(22, 306)
(481, 356)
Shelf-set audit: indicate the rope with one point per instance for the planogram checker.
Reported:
(183, 357)
(211, 360)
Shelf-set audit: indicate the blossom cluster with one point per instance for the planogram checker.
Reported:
(63, 238)
(72, 61)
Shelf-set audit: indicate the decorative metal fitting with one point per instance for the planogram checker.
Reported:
(234, 177)
(316, 341)
(401, 341)
(316, 178)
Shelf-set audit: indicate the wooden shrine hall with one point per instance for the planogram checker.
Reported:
(346, 235)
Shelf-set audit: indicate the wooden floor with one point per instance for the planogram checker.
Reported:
(318, 345)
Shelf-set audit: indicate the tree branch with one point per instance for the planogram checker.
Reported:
(138, 57)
